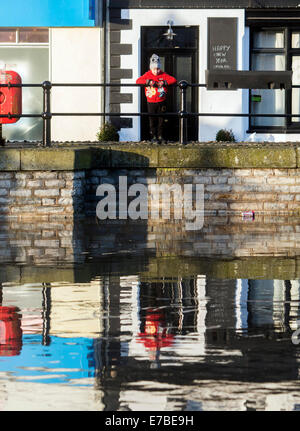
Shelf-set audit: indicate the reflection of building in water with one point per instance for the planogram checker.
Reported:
(238, 317)
(237, 306)
(165, 309)
(272, 304)
(163, 313)
(54, 362)
(108, 346)
(130, 336)
(217, 311)
(75, 309)
(58, 326)
(148, 324)
(220, 319)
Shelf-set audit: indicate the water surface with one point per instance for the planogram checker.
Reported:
(125, 329)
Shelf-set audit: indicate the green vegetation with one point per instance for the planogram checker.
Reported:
(108, 133)
(224, 135)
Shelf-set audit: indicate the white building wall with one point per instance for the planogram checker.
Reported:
(209, 101)
(75, 58)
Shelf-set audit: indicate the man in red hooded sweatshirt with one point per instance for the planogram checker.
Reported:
(156, 93)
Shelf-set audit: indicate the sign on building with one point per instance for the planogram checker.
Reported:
(222, 43)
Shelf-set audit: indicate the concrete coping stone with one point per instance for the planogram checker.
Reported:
(75, 156)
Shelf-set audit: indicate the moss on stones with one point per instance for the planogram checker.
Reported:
(172, 157)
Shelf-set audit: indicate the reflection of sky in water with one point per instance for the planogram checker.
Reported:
(63, 360)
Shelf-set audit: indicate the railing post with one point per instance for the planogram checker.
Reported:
(46, 115)
(46, 292)
(2, 140)
(183, 118)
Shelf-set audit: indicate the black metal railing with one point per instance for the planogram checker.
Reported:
(182, 114)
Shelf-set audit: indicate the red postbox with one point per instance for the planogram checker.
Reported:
(10, 97)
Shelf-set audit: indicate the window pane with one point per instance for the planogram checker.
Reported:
(296, 70)
(33, 35)
(295, 104)
(33, 66)
(296, 39)
(268, 62)
(268, 101)
(268, 39)
(296, 91)
(8, 35)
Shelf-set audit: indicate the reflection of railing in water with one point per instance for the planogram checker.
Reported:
(183, 115)
(46, 292)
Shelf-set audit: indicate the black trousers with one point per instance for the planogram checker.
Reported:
(156, 123)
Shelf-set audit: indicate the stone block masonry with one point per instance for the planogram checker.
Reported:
(228, 191)
(39, 194)
(61, 182)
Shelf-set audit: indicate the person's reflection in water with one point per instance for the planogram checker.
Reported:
(10, 330)
(161, 314)
(156, 334)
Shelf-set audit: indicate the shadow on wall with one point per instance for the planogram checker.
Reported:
(94, 229)
(53, 238)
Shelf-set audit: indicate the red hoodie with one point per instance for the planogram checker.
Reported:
(156, 94)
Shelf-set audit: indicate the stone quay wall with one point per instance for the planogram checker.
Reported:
(61, 181)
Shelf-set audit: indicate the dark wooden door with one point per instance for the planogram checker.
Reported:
(179, 58)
